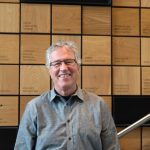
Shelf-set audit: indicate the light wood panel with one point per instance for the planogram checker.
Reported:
(126, 80)
(96, 20)
(66, 19)
(145, 51)
(130, 3)
(126, 50)
(97, 79)
(35, 18)
(33, 80)
(9, 79)
(145, 138)
(131, 141)
(96, 50)
(9, 48)
(9, 17)
(8, 110)
(145, 3)
(146, 80)
(125, 21)
(145, 22)
(33, 48)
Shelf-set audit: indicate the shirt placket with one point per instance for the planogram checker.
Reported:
(69, 127)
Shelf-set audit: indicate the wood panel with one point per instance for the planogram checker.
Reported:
(96, 50)
(8, 110)
(9, 17)
(33, 48)
(145, 3)
(125, 21)
(145, 22)
(9, 79)
(131, 141)
(9, 53)
(146, 138)
(126, 50)
(97, 79)
(126, 80)
(71, 23)
(33, 80)
(145, 80)
(35, 18)
(96, 20)
(145, 51)
(130, 3)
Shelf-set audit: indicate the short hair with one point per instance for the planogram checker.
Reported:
(69, 44)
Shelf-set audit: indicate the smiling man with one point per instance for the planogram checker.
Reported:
(66, 117)
(64, 70)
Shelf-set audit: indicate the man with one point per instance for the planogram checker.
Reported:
(66, 117)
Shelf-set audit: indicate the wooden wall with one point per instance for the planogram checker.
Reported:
(114, 43)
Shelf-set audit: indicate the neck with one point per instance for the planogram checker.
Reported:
(66, 91)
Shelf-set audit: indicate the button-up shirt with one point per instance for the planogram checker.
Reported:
(81, 123)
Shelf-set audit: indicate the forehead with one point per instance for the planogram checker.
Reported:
(62, 52)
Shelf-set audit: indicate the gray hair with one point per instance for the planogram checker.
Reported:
(69, 44)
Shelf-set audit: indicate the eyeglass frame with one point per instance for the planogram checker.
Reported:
(58, 63)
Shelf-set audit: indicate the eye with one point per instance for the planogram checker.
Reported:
(69, 61)
(58, 63)
(55, 63)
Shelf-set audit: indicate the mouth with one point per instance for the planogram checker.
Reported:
(66, 75)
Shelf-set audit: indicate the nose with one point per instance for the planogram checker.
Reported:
(63, 66)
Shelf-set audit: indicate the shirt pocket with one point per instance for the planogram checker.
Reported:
(88, 126)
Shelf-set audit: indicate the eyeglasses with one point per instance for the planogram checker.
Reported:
(58, 63)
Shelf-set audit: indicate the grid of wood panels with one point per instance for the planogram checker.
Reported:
(114, 43)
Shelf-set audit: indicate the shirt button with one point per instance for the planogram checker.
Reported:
(69, 138)
(68, 121)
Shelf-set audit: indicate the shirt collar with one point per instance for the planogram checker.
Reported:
(78, 93)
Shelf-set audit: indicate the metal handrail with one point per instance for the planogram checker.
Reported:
(134, 125)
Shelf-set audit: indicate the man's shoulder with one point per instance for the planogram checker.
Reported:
(91, 96)
(38, 100)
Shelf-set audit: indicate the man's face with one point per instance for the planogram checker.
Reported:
(63, 74)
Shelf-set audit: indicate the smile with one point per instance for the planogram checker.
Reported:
(64, 75)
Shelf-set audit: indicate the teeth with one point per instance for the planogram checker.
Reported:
(64, 75)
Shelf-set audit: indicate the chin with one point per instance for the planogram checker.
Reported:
(66, 85)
